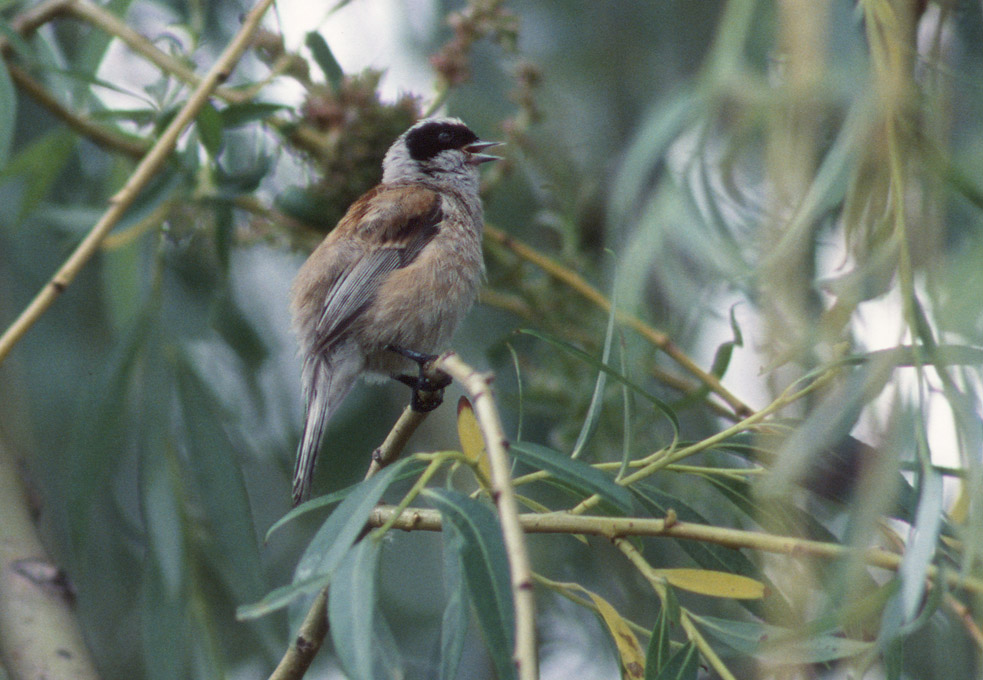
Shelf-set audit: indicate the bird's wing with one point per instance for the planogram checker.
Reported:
(383, 231)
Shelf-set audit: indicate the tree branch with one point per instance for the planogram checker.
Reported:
(496, 445)
(425, 519)
(39, 636)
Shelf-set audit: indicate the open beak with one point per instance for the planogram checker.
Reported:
(475, 157)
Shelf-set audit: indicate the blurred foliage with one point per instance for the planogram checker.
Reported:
(781, 195)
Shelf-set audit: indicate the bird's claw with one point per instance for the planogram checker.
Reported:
(428, 386)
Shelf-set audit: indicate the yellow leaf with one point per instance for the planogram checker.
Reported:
(713, 583)
(632, 657)
(472, 441)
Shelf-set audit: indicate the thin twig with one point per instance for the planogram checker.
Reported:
(396, 440)
(305, 646)
(580, 285)
(496, 445)
(144, 172)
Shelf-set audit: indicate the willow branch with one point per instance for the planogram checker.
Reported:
(396, 440)
(657, 338)
(496, 445)
(39, 636)
(305, 646)
(144, 172)
(425, 519)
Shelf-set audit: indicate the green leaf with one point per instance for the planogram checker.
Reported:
(39, 164)
(325, 59)
(721, 362)
(921, 546)
(486, 570)
(657, 654)
(329, 545)
(405, 471)
(8, 114)
(243, 113)
(353, 614)
(597, 398)
(782, 645)
(682, 665)
(454, 623)
(221, 488)
(210, 129)
(165, 638)
(579, 475)
(162, 515)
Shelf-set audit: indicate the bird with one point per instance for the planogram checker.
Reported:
(390, 283)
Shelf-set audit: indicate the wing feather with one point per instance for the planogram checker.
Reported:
(389, 229)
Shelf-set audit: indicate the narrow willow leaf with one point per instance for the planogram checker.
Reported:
(39, 164)
(579, 475)
(165, 636)
(713, 583)
(657, 655)
(893, 657)
(782, 645)
(785, 519)
(241, 113)
(220, 485)
(721, 362)
(210, 129)
(629, 651)
(406, 471)
(922, 546)
(597, 398)
(8, 114)
(628, 405)
(486, 570)
(671, 605)
(472, 441)
(454, 624)
(683, 665)
(164, 523)
(325, 59)
(329, 545)
(352, 611)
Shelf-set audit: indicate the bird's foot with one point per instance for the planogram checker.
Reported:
(428, 386)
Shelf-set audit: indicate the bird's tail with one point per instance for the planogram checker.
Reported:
(325, 387)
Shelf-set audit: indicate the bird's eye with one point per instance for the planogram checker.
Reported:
(444, 137)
